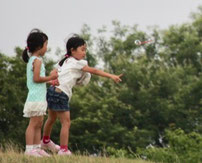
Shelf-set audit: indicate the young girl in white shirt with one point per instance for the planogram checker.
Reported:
(72, 70)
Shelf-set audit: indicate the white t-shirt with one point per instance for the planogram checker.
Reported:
(71, 74)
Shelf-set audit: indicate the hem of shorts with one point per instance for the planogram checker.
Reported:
(59, 109)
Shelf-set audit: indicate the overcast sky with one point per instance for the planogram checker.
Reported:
(59, 18)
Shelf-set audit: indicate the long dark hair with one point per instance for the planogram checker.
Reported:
(35, 41)
(73, 43)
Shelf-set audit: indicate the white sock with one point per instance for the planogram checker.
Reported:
(29, 148)
(37, 146)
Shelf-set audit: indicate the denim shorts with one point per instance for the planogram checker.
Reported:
(57, 101)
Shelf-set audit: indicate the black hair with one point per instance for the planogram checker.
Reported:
(73, 43)
(35, 41)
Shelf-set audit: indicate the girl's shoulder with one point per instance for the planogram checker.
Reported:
(73, 60)
(32, 58)
(78, 63)
(73, 63)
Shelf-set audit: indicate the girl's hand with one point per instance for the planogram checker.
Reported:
(116, 78)
(54, 82)
(54, 74)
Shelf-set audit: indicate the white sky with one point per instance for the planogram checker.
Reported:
(59, 18)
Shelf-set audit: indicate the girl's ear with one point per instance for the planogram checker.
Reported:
(72, 50)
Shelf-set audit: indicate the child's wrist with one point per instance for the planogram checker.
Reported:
(52, 77)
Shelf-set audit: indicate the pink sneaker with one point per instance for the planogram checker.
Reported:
(62, 152)
(33, 152)
(42, 152)
(50, 146)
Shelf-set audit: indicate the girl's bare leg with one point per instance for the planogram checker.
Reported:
(52, 116)
(33, 131)
(65, 122)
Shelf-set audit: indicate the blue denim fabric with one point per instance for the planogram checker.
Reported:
(57, 101)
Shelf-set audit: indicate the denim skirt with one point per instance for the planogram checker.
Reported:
(57, 101)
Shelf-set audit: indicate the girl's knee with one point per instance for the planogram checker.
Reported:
(66, 123)
(39, 124)
(51, 120)
(36, 125)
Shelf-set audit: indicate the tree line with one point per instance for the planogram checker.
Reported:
(154, 113)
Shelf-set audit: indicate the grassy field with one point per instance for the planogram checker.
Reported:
(20, 158)
(11, 155)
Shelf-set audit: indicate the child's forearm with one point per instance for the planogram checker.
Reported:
(42, 79)
(95, 71)
(100, 73)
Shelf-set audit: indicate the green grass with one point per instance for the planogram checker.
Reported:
(16, 155)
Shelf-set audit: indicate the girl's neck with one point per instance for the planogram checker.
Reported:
(36, 54)
(75, 58)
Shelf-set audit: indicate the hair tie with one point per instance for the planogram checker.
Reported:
(67, 55)
(28, 52)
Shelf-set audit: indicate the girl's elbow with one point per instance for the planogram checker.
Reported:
(36, 80)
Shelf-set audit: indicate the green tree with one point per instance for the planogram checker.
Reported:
(182, 147)
(161, 88)
(13, 93)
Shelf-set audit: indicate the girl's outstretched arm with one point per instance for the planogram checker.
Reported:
(115, 78)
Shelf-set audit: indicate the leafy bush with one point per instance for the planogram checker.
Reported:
(181, 147)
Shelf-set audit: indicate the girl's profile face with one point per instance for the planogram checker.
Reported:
(44, 48)
(80, 52)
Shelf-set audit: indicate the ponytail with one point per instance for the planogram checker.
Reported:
(25, 56)
(62, 61)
